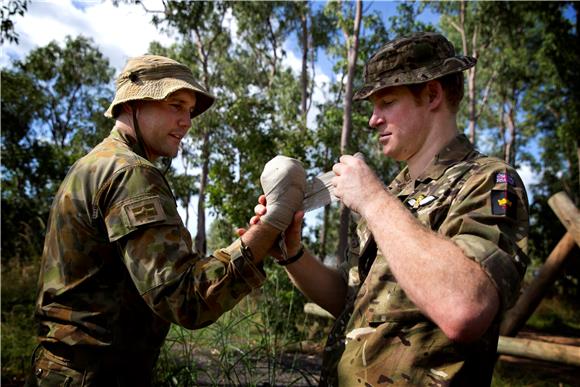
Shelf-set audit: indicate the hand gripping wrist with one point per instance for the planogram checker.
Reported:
(283, 181)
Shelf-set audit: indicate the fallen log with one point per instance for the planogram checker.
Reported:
(533, 349)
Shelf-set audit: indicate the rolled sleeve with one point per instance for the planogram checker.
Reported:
(492, 234)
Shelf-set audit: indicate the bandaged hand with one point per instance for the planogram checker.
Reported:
(283, 181)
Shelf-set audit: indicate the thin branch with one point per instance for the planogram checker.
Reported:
(486, 94)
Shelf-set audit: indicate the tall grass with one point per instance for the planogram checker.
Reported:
(247, 346)
(18, 297)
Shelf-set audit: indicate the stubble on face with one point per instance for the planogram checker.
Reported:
(165, 123)
(397, 119)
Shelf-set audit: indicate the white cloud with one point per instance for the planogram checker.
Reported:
(119, 32)
(321, 81)
(529, 177)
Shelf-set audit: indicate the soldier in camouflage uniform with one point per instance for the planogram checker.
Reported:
(440, 252)
(118, 266)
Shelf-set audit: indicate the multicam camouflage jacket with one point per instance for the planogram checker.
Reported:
(382, 338)
(118, 265)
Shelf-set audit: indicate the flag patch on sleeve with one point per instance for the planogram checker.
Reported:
(503, 203)
(502, 177)
(145, 211)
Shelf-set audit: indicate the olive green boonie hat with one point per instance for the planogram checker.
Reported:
(153, 77)
(416, 58)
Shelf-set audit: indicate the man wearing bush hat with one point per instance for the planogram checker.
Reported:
(118, 265)
(440, 251)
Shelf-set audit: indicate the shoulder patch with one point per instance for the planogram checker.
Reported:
(503, 203)
(144, 211)
(504, 177)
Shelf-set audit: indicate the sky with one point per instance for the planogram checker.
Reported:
(126, 30)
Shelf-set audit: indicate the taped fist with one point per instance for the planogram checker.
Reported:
(283, 181)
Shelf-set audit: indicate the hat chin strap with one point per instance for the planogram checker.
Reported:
(142, 143)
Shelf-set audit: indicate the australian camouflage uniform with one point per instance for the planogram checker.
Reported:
(118, 268)
(480, 204)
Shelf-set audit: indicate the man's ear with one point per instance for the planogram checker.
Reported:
(435, 93)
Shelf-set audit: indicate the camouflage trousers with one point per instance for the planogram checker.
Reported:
(54, 366)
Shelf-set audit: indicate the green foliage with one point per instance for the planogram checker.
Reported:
(18, 297)
(49, 103)
(528, 77)
(558, 316)
(53, 100)
(11, 8)
(405, 20)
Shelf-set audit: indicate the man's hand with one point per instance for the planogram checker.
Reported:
(293, 233)
(356, 185)
(283, 181)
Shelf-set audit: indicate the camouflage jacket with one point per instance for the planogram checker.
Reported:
(382, 338)
(118, 265)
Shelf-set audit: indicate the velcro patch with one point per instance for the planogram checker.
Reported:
(145, 211)
(506, 178)
(503, 203)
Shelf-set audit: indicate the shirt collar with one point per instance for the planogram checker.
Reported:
(458, 149)
(128, 140)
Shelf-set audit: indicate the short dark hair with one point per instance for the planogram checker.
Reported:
(452, 85)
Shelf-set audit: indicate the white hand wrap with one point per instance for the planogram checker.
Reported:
(283, 181)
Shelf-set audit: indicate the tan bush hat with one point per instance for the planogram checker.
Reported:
(412, 59)
(154, 77)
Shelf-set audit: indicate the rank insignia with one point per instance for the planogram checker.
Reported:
(503, 203)
(420, 200)
(145, 211)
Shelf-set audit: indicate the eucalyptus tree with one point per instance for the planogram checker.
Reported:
(237, 51)
(328, 145)
(531, 99)
(552, 107)
(472, 29)
(52, 113)
(203, 37)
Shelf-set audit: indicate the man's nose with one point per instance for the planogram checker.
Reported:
(184, 120)
(375, 119)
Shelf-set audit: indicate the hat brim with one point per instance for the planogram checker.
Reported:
(158, 90)
(423, 74)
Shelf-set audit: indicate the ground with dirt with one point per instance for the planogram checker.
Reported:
(302, 368)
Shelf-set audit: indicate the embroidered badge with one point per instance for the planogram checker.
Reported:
(420, 200)
(427, 200)
(505, 178)
(503, 203)
(145, 211)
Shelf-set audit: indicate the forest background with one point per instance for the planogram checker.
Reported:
(283, 73)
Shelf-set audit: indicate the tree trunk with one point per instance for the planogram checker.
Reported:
(533, 349)
(511, 141)
(200, 238)
(323, 233)
(304, 72)
(352, 42)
